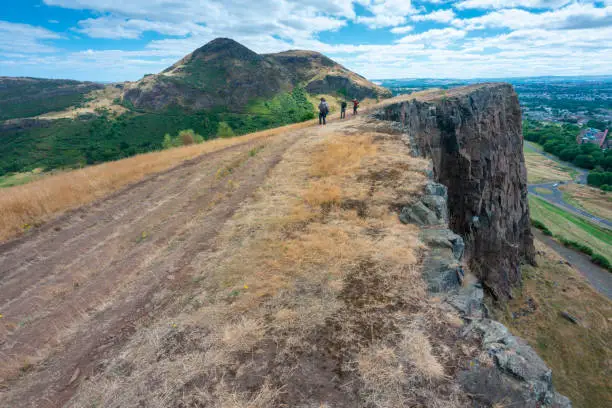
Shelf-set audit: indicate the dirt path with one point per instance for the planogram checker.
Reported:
(73, 292)
(598, 277)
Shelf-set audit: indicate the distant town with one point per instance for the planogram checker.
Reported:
(584, 101)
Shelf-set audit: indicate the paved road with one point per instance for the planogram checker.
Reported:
(555, 196)
(600, 278)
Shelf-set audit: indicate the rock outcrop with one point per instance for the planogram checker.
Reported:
(474, 139)
(507, 370)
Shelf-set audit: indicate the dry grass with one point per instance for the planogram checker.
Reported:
(308, 298)
(22, 207)
(591, 199)
(543, 170)
(579, 355)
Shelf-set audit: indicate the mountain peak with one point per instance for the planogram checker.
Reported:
(226, 48)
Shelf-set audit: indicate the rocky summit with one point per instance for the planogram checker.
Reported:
(224, 73)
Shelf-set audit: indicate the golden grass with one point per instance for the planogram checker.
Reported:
(297, 271)
(543, 170)
(591, 199)
(22, 207)
(579, 355)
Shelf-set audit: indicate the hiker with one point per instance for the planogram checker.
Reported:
(355, 106)
(343, 110)
(323, 111)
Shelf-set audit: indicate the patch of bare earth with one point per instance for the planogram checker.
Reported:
(272, 277)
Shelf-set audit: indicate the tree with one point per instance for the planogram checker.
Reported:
(224, 130)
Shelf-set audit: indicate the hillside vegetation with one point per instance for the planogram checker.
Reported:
(26, 97)
(220, 84)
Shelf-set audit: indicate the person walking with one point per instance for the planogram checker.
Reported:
(323, 111)
(355, 106)
(343, 110)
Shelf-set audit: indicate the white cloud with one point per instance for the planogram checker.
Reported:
(402, 30)
(437, 38)
(25, 38)
(385, 13)
(574, 16)
(500, 4)
(440, 16)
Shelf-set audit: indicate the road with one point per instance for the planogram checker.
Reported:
(599, 278)
(555, 196)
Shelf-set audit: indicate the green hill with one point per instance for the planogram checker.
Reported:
(221, 82)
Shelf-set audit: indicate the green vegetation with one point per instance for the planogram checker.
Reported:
(540, 225)
(224, 130)
(560, 140)
(602, 179)
(17, 179)
(184, 138)
(27, 97)
(578, 354)
(572, 231)
(67, 143)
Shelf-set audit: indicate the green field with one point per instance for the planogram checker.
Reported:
(572, 227)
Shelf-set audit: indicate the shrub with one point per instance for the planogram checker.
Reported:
(224, 130)
(601, 261)
(187, 137)
(540, 225)
(576, 245)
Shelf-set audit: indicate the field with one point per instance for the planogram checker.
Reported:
(568, 349)
(590, 199)
(543, 170)
(564, 224)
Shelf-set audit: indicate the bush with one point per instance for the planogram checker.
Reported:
(601, 261)
(540, 225)
(576, 245)
(184, 138)
(224, 130)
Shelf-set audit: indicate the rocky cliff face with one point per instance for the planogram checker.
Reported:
(473, 136)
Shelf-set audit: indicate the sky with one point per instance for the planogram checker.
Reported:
(119, 40)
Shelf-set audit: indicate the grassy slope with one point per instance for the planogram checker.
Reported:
(567, 225)
(68, 143)
(32, 97)
(579, 355)
(589, 199)
(543, 170)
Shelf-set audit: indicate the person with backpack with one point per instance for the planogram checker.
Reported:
(355, 106)
(343, 110)
(323, 111)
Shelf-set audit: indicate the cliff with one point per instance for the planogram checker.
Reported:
(474, 139)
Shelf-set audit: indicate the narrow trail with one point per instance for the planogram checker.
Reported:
(600, 278)
(73, 292)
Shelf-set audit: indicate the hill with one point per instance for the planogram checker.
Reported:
(222, 85)
(224, 73)
(293, 269)
(25, 97)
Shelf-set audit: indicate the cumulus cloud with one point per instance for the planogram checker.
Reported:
(440, 16)
(385, 13)
(24, 38)
(499, 4)
(574, 16)
(402, 30)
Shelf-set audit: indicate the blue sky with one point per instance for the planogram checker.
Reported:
(118, 40)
